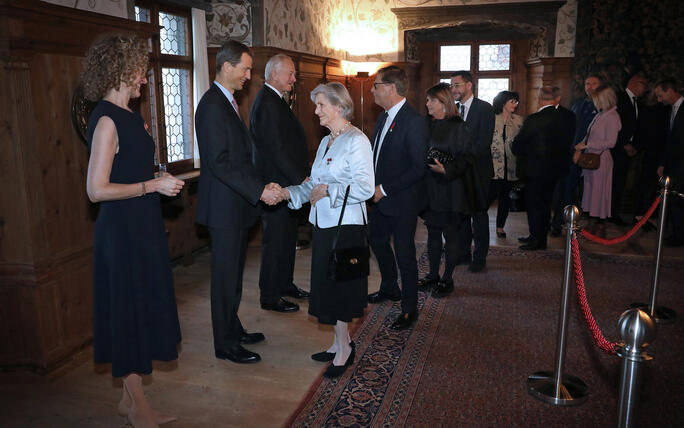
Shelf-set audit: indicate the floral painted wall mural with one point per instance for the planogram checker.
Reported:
(229, 20)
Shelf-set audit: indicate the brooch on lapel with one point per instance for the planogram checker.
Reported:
(327, 161)
(392, 126)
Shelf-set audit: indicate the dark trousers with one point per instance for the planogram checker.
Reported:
(228, 251)
(647, 187)
(452, 231)
(620, 169)
(499, 190)
(402, 229)
(278, 248)
(475, 229)
(566, 194)
(538, 196)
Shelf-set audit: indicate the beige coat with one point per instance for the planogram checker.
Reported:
(498, 146)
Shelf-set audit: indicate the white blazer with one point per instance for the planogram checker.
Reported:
(348, 161)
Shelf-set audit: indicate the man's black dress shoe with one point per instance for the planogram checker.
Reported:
(404, 321)
(296, 292)
(555, 232)
(379, 297)
(525, 239)
(327, 356)
(427, 281)
(533, 246)
(476, 267)
(250, 338)
(336, 371)
(238, 354)
(281, 306)
(443, 288)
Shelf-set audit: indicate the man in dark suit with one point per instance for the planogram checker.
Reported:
(544, 149)
(672, 165)
(399, 151)
(229, 190)
(625, 146)
(281, 158)
(568, 120)
(479, 116)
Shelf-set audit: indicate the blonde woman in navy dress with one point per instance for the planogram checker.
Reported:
(135, 316)
(344, 158)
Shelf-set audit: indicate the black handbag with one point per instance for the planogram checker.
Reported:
(351, 263)
(443, 157)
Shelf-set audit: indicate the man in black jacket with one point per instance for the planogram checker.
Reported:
(672, 165)
(281, 158)
(479, 116)
(542, 146)
(399, 151)
(229, 191)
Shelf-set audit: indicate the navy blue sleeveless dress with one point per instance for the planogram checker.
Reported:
(135, 315)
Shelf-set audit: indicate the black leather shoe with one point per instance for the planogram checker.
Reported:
(296, 292)
(555, 233)
(476, 267)
(251, 338)
(238, 354)
(404, 321)
(334, 371)
(379, 297)
(281, 306)
(327, 356)
(533, 246)
(443, 288)
(525, 239)
(427, 281)
(501, 234)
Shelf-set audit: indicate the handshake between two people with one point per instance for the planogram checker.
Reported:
(273, 194)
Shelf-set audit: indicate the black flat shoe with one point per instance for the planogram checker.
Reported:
(296, 292)
(334, 371)
(500, 234)
(326, 356)
(428, 280)
(238, 354)
(443, 288)
(379, 297)
(281, 306)
(404, 321)
(251, 338)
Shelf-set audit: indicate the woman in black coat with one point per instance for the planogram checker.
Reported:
(452, 188)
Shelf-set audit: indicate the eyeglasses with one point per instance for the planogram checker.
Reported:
(375, 84)
(456, 85)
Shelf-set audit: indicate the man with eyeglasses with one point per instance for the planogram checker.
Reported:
(399, 151)
(479, 116)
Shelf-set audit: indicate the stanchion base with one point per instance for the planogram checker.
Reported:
(542, 386)
(663, 315)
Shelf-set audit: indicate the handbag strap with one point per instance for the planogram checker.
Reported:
(339, 222)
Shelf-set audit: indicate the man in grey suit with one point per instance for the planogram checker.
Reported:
(479, 116)
(229, 191)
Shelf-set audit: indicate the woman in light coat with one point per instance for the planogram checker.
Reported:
(344, 159)
(601, 137)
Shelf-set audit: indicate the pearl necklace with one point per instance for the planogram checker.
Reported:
(334, 134)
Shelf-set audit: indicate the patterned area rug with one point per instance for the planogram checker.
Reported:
(465, 361)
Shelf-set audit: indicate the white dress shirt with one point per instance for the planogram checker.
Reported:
(274, 89)
(231, 98)
(466, 104)
(675, 109)
(348, 161)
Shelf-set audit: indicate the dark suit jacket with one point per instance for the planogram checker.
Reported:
(628, 119)
(480, 120)
(673, 159)
(282, 154)
(569, 123)
(401, 162)
(229, 184)
(542, 144)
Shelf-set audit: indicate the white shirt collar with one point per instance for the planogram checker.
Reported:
(468, 102)
(394, 110)
(630, 94)
(274, 89)
(550, 105)
(677, 104)
(225, 91)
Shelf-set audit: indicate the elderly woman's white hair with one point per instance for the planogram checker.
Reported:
(338, 95)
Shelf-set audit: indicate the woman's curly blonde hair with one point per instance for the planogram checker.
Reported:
(112, 59)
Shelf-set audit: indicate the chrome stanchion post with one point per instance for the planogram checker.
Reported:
(661, 314)
(558, 388)
(637, 330)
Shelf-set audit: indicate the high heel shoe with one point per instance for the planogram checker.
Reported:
(326, 356)
(334, 371)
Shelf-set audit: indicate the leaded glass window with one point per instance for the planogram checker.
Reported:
(495, 57)
(172, 38)
(452, 58)
(488, 88)
(177, 113)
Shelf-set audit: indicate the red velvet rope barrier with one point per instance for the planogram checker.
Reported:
(627, 235)
(601, 341)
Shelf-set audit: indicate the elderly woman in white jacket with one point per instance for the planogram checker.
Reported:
(344, 158)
